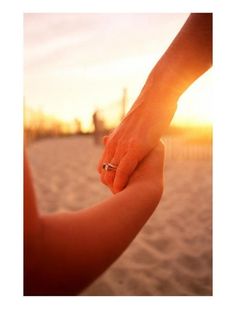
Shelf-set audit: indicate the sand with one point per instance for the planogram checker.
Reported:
(172, 255)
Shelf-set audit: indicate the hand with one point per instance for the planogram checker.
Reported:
(149, 173)
(136, 136)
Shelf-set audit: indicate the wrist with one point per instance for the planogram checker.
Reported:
(159, 90)
(163, 83)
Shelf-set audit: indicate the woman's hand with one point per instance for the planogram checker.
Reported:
(186, 59)
(136, 136)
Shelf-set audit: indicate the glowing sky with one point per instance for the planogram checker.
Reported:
(75, 63)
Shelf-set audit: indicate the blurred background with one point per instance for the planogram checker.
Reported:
(79, 64)
(82, 73)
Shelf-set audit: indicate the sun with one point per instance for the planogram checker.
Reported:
(195, 105)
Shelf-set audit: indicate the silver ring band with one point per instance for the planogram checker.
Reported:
(109, 167)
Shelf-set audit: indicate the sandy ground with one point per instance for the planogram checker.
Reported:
(172, 255)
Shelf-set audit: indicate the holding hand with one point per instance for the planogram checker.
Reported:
(135, 137)
(186, 59)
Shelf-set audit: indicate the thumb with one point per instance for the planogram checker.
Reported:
(125, 169)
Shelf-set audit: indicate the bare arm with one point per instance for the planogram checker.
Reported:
(187, 58)
(73, 249)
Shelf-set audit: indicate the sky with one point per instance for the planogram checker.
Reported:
(76, 63)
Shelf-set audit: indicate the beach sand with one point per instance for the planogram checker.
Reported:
(172, 255)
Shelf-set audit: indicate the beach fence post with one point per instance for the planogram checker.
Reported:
(98, 128)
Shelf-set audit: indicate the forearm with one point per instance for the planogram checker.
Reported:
(188, 56)
(78, 247)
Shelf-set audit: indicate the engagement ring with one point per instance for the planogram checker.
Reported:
(109, 167)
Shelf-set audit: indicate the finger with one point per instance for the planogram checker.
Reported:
(126, 167)
(100, 162)
(99, 166)
(108, 155)
(103, 158)
(110, 175)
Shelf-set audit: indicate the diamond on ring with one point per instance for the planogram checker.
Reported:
(109, 167)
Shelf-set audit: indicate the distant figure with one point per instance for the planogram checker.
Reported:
(78, 126)
(98, 127)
